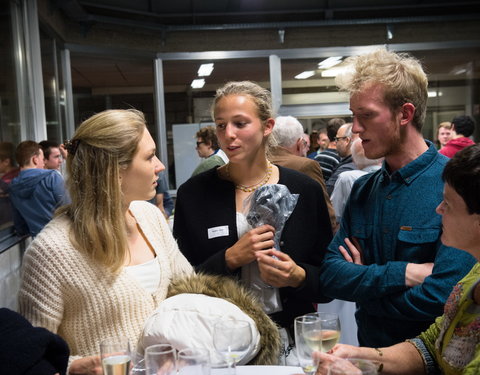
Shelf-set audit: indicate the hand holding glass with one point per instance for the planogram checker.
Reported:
(232, 339)
(160, 360)
(193, 361)
(330, 331)
(116, 356)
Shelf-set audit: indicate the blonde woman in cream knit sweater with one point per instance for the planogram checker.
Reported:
(104, 263)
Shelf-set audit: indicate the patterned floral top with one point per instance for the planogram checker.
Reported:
(453, 341)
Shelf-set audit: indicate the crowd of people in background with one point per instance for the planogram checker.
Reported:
(373, 222)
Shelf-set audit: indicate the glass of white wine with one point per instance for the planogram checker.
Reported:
(232, 340)
(308, 338)
(331, 329)
(160, 360)
(115, 355)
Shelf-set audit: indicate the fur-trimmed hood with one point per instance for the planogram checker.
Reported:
(230, 290)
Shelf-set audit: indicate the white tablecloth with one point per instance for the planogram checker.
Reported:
(261, 370)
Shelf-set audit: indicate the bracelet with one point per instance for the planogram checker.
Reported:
(380, 353)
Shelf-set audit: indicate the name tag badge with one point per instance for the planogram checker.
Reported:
(221, 231)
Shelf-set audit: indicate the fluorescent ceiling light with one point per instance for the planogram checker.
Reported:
(434, 94)
(305, 74)
(331, 61)
(197, 83)
(332, 72)
(205, 70)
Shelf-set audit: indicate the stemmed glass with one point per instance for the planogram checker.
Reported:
(160, 360)
(115, 355)
(232, 339)
(330, 324)
(308, 338)
(193, 361)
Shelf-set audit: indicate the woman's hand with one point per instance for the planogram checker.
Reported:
(243, 251)
(327, 360)
(280, 271)
(86, 366)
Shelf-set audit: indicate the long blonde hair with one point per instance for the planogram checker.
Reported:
(102, 146)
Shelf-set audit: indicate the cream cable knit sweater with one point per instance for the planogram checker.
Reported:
(65, 292)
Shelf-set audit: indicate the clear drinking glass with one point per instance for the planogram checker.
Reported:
(160, 360)
(308, 338)
(115, 355)
(232, 340)
(193, 361)
(331, 329)
(353, 366)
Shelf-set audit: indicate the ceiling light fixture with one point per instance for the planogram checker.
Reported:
(197, 83)
(305, 74)
(331, 61)
(205, 70)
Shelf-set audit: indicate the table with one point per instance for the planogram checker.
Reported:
(261, 370)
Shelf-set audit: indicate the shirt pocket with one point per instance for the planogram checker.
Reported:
(419, 235)
(417, 245)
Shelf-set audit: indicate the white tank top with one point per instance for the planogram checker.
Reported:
(147, 274)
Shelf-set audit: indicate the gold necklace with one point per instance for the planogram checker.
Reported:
(249, 189)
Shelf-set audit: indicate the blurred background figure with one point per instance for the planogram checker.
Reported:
(343, 140)
(444, 134)
(208, 148)
(323, 140)
(313, 150)
(8, 171)
(345, 180)
(36, 192)
(462, 129)
(52, 155)
(329, 158)
(163, 199)
(289, 151)
(306, 138)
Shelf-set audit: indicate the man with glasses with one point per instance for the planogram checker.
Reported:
(208, 148)
(344, 141)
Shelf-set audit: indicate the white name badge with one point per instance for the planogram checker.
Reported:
(221, 231)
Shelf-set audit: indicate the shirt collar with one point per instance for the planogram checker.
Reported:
(409, 172)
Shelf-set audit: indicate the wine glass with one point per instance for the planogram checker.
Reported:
(160, 360)
(115, 355)
(232, 339)
(331, 329)
(353, 366)
(193, 361)
(308, 338)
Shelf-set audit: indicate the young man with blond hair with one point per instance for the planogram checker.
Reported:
(387, 255)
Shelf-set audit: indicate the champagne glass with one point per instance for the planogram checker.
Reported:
(308, 338)
(232, 339)
(353, 366)
(193, 361)
(115, 355)
(160, 360)
(331, 329)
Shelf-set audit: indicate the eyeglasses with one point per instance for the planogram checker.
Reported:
(338, 138)
(199, 143)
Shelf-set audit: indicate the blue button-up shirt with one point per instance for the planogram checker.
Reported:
(394, 220)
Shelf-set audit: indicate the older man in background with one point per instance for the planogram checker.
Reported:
(288, 133)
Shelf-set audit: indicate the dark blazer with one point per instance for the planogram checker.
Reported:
(206, 201)
(283, 157)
